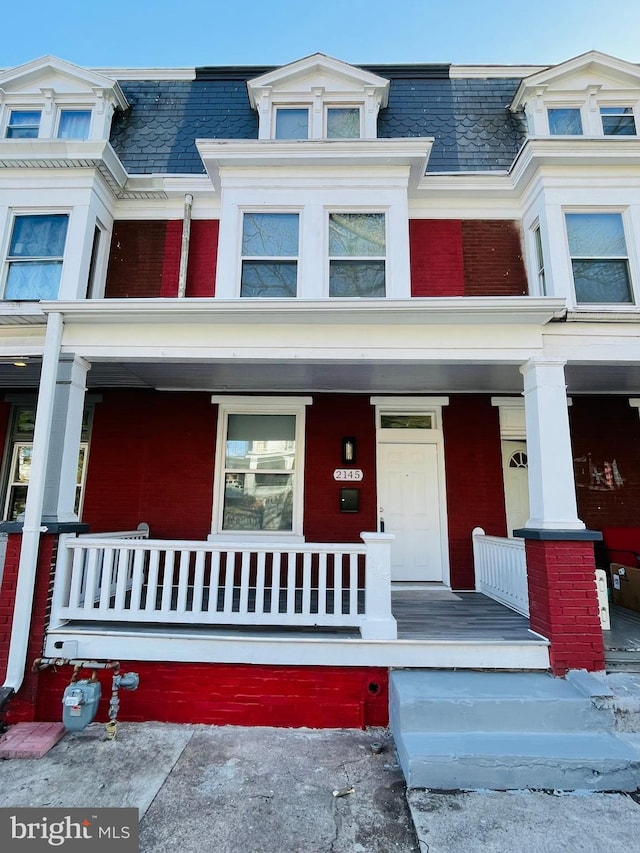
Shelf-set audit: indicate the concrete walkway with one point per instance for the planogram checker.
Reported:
(261, 790)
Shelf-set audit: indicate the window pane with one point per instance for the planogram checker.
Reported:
(39, 236)
(33, 280)
(269, 279)
(618, 121)
(74, 124)
(270, 234)
(22, 469)
(601, 281)
(353, 234)
(596, 235)
(292, 124)
(356, 278)
(343, 123)
(261, 441)
(17, 502)
(565, 122)
(23, 124)
(406, 421)
(258, 502)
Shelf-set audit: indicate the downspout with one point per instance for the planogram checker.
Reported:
(33, 510)
(184, 248)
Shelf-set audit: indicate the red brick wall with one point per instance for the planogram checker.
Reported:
(563, 603)
(23, 705)
(605, 430)
(151, 459)
(493, 264)
(331, 417)
(437, 266)
(145, 258)
(475, 494)
(238, 694)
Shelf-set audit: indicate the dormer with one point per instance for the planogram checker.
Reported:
(49, 98)
(318, 98)
(590, 95)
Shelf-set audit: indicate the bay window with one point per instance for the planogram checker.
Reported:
(34, 259)
(357, 250)
(599, 257)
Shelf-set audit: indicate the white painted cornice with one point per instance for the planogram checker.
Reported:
(511, 310)
(352, 153)
(574, 152)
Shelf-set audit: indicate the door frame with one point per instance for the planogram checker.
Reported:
(425, 406)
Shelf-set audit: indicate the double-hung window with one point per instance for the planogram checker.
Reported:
(269, 254)
(34, 259)
(357, 253)
(539, 259)
(599, 258)
(618, 121)
(260, 465)
(23, 124)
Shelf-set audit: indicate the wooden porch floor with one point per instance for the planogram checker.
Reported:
(445, 615)
(622, 642)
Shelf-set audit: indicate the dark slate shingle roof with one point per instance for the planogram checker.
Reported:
(469, 118)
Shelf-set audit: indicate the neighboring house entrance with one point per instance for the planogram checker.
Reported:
(411, 487)
(516, 484)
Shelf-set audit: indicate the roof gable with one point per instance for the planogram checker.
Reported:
(609, 74)
(318, 71)
(50, 73)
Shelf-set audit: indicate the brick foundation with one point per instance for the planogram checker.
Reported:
(563, 603)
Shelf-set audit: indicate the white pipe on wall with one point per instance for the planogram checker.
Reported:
(184, 248)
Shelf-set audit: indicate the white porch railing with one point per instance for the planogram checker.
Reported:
(107, 578)
(501, 573)
(501, 570)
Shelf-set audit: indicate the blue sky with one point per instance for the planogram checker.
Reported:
(143, 33)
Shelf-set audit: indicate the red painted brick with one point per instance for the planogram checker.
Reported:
(437, 267)
(493, 263)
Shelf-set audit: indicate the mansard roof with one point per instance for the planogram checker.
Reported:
(469, 117)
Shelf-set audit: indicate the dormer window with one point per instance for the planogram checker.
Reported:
(318, 98)
(565, 121)
(343, 123)
(292, 123)
(23, 124)
(618, 121)
(74, 124)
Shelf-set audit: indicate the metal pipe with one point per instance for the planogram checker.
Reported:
(184, 248)
(32, 529)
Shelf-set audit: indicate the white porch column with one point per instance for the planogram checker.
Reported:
(380, 623)
(552, 492)
(66, 434)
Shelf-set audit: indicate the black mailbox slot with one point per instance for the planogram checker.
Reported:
(349, 500)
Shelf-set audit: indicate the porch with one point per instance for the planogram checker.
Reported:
(312, 604)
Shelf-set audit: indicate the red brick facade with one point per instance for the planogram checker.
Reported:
(466, 258)
(563, 603)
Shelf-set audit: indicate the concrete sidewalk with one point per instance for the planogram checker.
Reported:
(262, 790)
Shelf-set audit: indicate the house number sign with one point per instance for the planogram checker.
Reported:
(353, 474)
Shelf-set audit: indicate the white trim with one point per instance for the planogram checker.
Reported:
(303, 651)
(260, 405)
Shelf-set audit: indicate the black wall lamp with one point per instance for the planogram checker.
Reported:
(348, 450)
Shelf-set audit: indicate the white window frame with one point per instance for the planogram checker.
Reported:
(16, 213)
(22, 108)
(328, 258)
(333, 106)
(287, 108)
(538, 259)
(285, 258)
(73, 108)
(631, 259)
(580, 107)
(621, 106)
(237, 405)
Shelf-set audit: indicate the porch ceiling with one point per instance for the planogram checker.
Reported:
(408, 377)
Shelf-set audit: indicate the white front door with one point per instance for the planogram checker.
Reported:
(516, 484)
(409, 502)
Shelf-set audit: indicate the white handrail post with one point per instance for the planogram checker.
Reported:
(378, 622)
(62, 580)
(477, 557)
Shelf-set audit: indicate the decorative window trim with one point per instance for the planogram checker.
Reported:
(409, 405)
(259, 405)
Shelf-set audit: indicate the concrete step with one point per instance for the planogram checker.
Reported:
(439, 701)
(503, 761)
